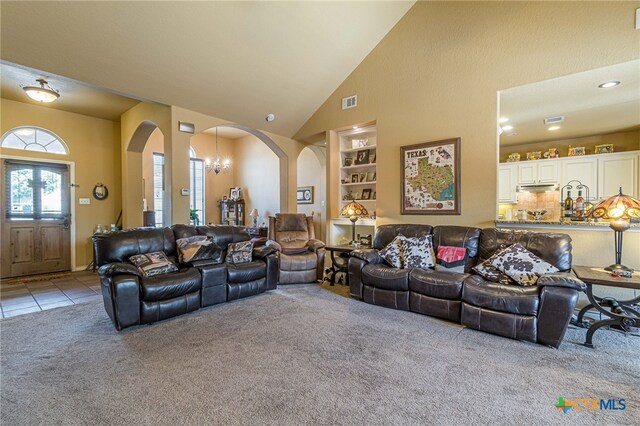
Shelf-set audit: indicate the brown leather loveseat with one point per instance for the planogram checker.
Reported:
(538, 313)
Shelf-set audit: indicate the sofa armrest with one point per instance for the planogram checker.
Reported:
(118, 268)
(315, 245)
(259, 253)
(273, 269)
(275, 245)
(562, 279)
(121, 294)
(368, 255)
(554, 314)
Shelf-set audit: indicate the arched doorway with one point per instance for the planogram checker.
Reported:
(311, 174)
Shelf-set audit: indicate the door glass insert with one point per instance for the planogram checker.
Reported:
(35, 191)
(51, 192)
(20, 192)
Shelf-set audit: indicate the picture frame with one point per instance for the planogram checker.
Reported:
(363, 177)
(365, 240)
(366, 194)
(371, 176)
(359, 143)
(357, 196)
(348, 161)
(224, 198)
(235, 193)
(606, 148)
(362, 157)
(355, 178)
(576, 151)
(513, 157)
(430, 178)
(534, 155)
(304, 195)
(372, 158)
(374, 195)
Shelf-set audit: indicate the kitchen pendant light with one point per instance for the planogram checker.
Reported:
(42, 94)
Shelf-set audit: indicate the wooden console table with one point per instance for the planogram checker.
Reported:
(621, 313)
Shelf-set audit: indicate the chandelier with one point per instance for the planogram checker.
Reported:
(42, 94)
(218, 164)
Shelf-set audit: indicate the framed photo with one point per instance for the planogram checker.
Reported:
(366, 194)
(374, 195)
(576, 150)
(365, 240)
(362, 157)
(224, 198)
(359, 143)
(534, 155)
(372, 157)
(348, 161)
(430, 181)
(604, 149)
(355, 178)
(371, 176)
(235, 193)
(357, 196)
(363, 177)
(304, 195)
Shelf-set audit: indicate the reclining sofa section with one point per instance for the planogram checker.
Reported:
(538, 313)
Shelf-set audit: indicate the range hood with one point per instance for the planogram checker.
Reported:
(538, 187)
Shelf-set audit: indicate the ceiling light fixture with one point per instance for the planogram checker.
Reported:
(609, 84)
(218, 164)
(503, 120)
(507, 128)
(270, 117)
(42, 93)
(552, 128)
(355, 127)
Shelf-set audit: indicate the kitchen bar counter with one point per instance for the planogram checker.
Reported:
(595, 226)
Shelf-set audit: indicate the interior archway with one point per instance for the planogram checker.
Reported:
(311, 173)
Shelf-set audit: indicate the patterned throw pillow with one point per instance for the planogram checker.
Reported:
(198, 247)
(239, 252)
(155, 263)
(491, 273)
(393, 252)
(522, 265)
(418, 252)
(451, 259)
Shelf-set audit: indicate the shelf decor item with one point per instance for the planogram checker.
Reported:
(304, 195)
(431, 177)
(362, 157)
(366, 194)
(576, 151)
(348, 161)
(354, 211)
(513, 157)
(235, 193)
(254, 216)
(534, 155)
(359, 143)
(552, 153)
(604, 149)
(620, 208)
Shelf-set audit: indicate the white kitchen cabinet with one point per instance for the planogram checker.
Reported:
(615, 171)
(583, 169)
(507, 183)
(544, 171)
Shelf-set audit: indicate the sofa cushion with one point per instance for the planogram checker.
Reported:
(245, 272)
(393, 252)
(514, 299)
(386, 233)
(418, 252)
(198, 247)
(168, 286)
(239, 252)
(155, 263)
(490, 272)
(385, 277)
(442, 285)
(522, 265)
(298, 262)
(451, 259)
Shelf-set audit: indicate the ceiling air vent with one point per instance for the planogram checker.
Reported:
(554, 120)
(350, 102)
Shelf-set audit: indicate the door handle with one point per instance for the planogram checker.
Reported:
(66, 224)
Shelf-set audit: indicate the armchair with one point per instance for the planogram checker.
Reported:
(301, 255)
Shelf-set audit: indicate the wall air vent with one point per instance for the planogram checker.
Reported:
(350, 102)
(554, 120)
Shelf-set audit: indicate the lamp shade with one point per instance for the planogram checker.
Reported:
(354, 209)
(619, 206)
(254, 213)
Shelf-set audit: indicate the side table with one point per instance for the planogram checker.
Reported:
(621, 313)
(341, 262)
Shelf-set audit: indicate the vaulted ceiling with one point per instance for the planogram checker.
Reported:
(235, 60)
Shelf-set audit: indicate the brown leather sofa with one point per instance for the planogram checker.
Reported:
(131, 298)
(301, 255)
(539, 313)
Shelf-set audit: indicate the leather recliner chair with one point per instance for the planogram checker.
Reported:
(301, 254)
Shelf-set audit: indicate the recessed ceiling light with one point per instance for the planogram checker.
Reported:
(552, 128)
(503, 120)
(270, 117)
(355, 127)
(507, 127)
(609, 84)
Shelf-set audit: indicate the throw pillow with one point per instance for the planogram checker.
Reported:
(418, 252)
(393, 252)
(491, 273)
(155, 263)
(198, 247)
(522, 265)
(451, 259)
(239, 252)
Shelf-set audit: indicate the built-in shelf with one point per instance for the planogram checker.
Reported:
(358, 183)
(346, 151)
(359, 166)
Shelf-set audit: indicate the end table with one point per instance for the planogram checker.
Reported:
(341, 262)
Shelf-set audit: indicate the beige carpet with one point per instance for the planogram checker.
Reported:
(300, 355)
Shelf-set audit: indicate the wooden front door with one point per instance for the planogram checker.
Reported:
(36, 220)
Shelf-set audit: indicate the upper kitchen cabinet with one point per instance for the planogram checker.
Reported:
(543, 171)
(617, 171)
(507, 183)
(583, 169)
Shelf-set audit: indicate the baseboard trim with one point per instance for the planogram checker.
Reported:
(80, 268)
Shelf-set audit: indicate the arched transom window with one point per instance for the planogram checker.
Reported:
(34, 139)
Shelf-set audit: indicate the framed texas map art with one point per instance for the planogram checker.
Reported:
(431, 177)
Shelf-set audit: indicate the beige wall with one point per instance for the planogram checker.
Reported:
(94, 147)
(436, 75)
(311, 172)
(622, 141)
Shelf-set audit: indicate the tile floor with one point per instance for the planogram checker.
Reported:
(18, 298)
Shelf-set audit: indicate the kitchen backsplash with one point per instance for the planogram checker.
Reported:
(549, 201)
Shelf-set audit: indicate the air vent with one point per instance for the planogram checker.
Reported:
(554, 120)
(350, 102)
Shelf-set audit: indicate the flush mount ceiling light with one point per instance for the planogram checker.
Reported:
(503, 120)
(609, 84)
(552, 128)
(507, 128)
(270, 117)
(42, 94)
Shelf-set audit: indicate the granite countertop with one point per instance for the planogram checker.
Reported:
(558, 223)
